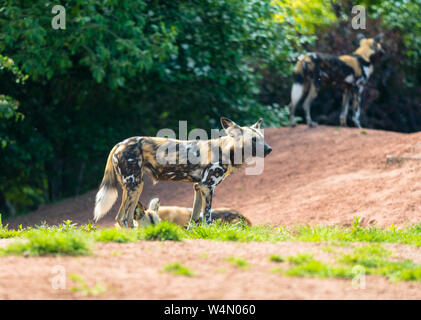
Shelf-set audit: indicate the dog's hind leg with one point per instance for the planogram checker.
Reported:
(129, 201)
(346, 97)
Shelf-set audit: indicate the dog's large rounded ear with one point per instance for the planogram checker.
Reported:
(154, 205)
(379, 37)
(230, 127)
(359, 37)
(257, 124)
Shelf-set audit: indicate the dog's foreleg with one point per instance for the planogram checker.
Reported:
(212, 175)
(207, 195)
(345, 106)
(198, 204)
(357, 106)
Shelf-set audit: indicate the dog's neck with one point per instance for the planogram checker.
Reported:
(365, 52)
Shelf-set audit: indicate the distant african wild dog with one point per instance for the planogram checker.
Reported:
(182, 215)
(172, 160)
(348, 72)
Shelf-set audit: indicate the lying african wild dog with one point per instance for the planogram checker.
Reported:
(217, 158)
(182, 215)
(348, 72)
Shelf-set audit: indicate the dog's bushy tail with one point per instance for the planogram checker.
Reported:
(298, 90)
(107, 193)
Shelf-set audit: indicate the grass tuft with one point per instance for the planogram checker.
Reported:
(178, 269)
(116, 235)
(238, 262)
(163, 232)
(84, 288)
(276, 258)
(45, 242)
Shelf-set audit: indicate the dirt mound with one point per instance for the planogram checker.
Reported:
(321, 176)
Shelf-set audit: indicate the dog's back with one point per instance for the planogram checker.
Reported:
(178, 215)
(181, 215)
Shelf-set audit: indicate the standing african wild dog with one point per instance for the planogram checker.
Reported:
(216, 159)
(349, 72)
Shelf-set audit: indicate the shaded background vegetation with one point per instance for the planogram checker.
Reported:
(124, 68)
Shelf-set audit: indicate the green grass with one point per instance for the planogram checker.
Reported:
(6, 233)
(238, 262)
(178, 269)
(84, 288)
(46, 242)
(240, 232)
(276, 258)
(372, 259)
(304, 265)
(375, 260)
(116, 235)
(163, 232)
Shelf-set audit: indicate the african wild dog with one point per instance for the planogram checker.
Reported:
(348, 72)
(214, 160)
(145, 217)
(182, 215)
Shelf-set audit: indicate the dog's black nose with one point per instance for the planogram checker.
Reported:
(268, 150)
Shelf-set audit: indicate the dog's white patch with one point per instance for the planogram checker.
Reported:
(104, 200)
(368, 71)
(350, 78)
(296, 93)
(128, 179)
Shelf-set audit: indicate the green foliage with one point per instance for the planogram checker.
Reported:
(162, 232)
(178, 269)
(41, 242)
(307, 15)
(403, 15)
(8, 105)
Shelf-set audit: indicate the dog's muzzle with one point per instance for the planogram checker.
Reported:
(267, 150)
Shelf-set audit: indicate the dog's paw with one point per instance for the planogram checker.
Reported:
(312, 124)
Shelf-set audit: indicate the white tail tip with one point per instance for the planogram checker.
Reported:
(104, 200)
